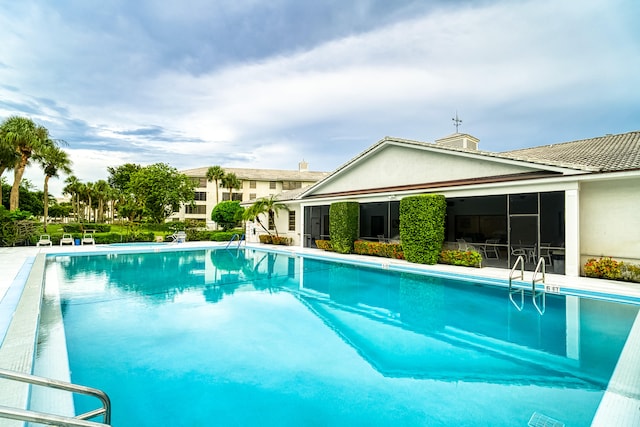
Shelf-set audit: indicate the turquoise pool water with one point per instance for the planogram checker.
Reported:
(247, 337)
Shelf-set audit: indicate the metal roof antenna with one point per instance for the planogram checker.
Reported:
(456, 121)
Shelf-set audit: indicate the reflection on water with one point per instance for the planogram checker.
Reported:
(240, 327)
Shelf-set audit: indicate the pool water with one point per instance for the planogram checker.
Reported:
(248, 337)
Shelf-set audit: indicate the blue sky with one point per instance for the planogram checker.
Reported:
(247, 83)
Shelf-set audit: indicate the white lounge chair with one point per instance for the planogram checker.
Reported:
(87, 238)
(179, 237)
(67, 239)
(45, 240)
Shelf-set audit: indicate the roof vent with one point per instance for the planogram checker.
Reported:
(459, 140)
(303, 166)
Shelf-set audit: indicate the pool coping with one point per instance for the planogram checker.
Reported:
(17, 351)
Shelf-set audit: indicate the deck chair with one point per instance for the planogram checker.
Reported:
(490, 248)
(179, 237)
(45, 240)
(87, 238)
(67, 239)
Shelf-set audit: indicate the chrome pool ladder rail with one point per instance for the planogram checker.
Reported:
(234, 237)
(519, 260)
(52, 419)
(540, 268)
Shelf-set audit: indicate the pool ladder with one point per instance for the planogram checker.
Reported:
(234, 237)
(52, 419)
(538, 297)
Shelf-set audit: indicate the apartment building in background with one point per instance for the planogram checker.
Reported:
(254, 184)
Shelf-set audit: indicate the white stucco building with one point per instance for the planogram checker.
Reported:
(579, 198)
(255, 184)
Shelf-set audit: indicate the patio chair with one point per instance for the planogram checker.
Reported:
(490, 248)
(179, 237)
(87, 238)
(45, 240)
(545, 252)
(462, 244)
(67, 239)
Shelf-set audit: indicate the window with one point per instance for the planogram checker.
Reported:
(200, 196)
(291, 185)
(197, 209)
(199, 182)
(272, 185)
(236, 196)
(292, 220)
(252, 184)
(252, 196)
(272, 224)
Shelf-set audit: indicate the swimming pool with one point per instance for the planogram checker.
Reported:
(248, 337)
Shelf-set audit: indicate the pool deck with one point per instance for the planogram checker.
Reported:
(21, 280)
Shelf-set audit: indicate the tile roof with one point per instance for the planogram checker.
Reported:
(263, 174)
(605, 154)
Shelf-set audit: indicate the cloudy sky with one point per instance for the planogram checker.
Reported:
(256, 83)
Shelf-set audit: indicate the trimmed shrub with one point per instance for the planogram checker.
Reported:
(344, 225)
(462, 258)
(325, 245)
(422, 227)
(265, 238)
(386, 250)
(608, 268)
(281, 240)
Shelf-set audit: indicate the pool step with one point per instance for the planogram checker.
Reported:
(540, 420)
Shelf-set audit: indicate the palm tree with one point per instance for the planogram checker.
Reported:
(28, 139)
(215, 174)
(52, 159)
(265, 206)
(102, 192)
(230, 181)
(73, 188)
(8, 154)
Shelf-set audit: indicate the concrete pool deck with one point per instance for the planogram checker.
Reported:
(620, 405)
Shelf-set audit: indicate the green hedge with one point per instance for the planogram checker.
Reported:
(422, 227)
(462, 258)
(344, 225)
(609, 268)
(387, 250)
(75, 227)
(275, 240)
(325, 245)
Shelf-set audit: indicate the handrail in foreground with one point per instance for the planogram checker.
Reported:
(51, 419)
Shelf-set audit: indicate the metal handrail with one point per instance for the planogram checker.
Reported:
(539, 268)
(50, 419)
(519, 260)
(240, 240)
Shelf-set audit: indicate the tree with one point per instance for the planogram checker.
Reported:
(268, 206)
(230, 181)
(161, 189)
(8, 155)
(125, 201)
(52, 159)
(102, 192)
(73, 188)
(28, 139)
(215, 174)
(227, 214)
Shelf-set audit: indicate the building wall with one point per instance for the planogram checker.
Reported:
(395, 165)
(610, 219)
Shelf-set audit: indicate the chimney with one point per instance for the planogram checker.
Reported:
(303, 166)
